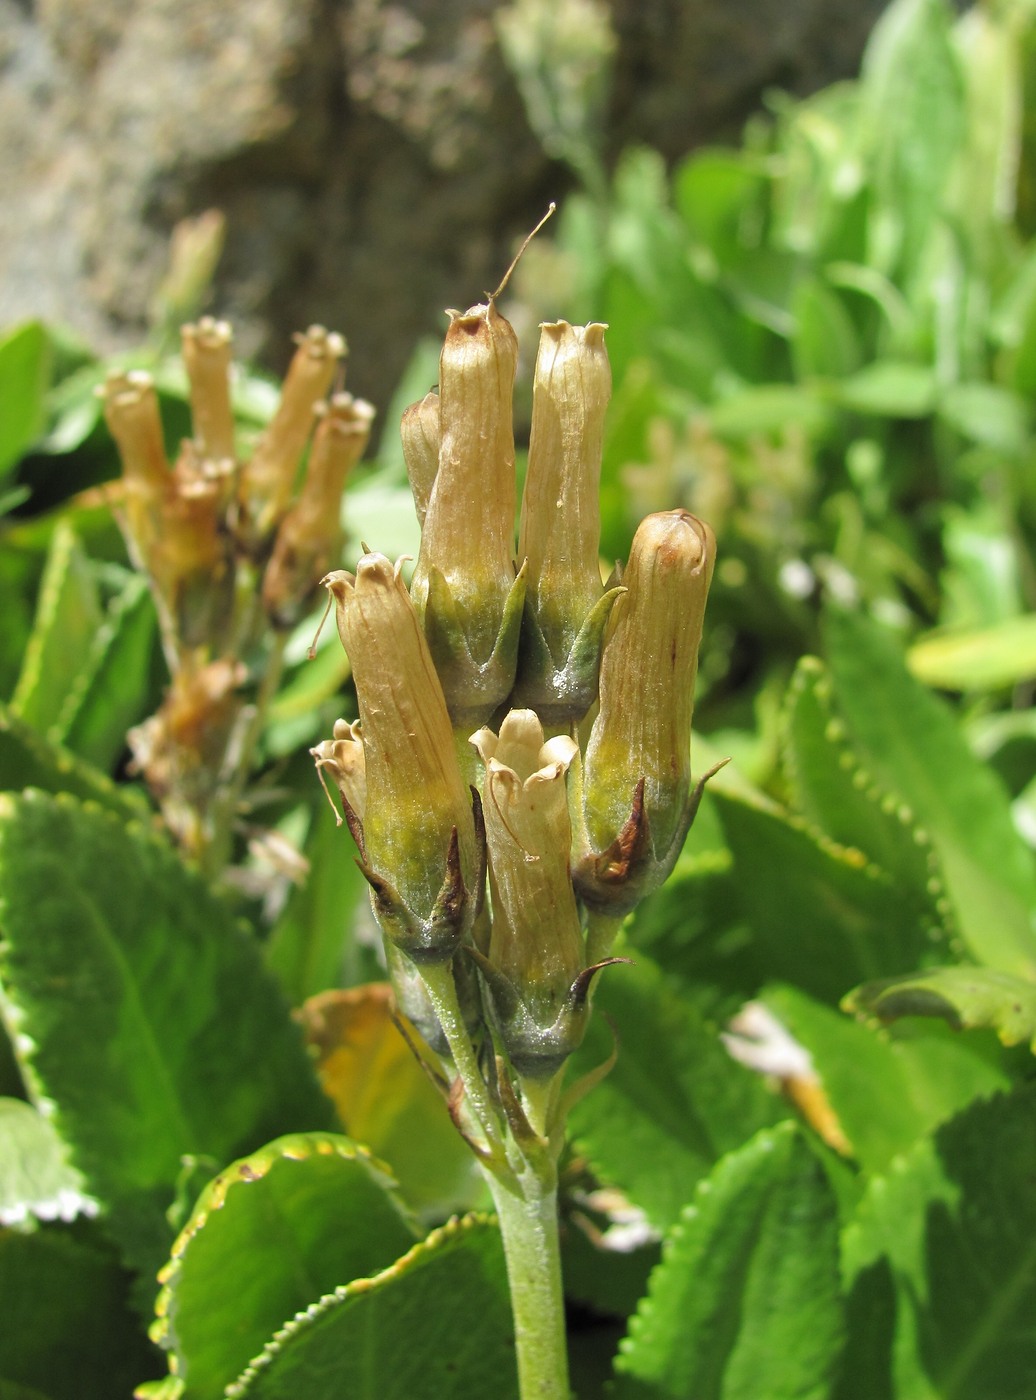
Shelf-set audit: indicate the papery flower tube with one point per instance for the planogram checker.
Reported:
(464, 584)
(421, 435)
(310, 535)
(636, 774)
(207, 349)
(535, 964)
(420, 850)
(268, 479)
(343, 758)
(170, 517)
(566, 610)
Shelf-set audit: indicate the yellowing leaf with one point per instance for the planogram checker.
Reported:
(386, 1099)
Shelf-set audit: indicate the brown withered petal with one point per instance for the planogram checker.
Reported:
(309, 539)
(561, 518)
(268, 478)
(420, 434)
(131, 412)
(643, 729)
(415, 794)
(536, 939)
(342, 757)
(468, 534)
(206, 349)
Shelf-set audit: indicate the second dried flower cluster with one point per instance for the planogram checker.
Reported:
(233, 546)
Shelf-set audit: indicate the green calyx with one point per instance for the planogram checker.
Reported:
(538, 1027)
(475, 684)
(562, 693)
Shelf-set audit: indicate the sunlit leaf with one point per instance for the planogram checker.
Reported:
(435, 1324)
(964, 997)
(141, 1012)
(386, 1100)
(746, 1299)
(308, 1213)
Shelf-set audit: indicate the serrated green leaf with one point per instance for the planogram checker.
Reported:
(109, 694)
(35, 1176)
(746, 1299)
(67, 1331)
(886, 1093)
(25, 361)
(817, 910)
(28, 760)
(833, 789)
(435, 1324)
(673, 1103)
(68, 614)
(965, 997)
(140, 1011)
(307, 1213)
(914, 748)
(989, 658)
(956, 1218)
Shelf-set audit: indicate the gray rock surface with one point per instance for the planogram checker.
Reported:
(372, 158)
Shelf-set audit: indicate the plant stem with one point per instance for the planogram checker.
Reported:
(442, 992)
(528, 1213)
(216, 853)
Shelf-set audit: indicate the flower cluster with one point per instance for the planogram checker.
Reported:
(233, 546)
(465, 769)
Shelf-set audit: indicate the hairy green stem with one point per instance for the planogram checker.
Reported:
(527, 1209)
(442, 992)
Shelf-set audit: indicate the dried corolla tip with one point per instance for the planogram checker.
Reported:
(535, 965)
(419, 430)
(342, 758)
(309, 540)
(169, 517)
(268, 480)
(420, 852)
(464, 584)
(131, 412)
(565, 612)
(206, 349)
(636, 797)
